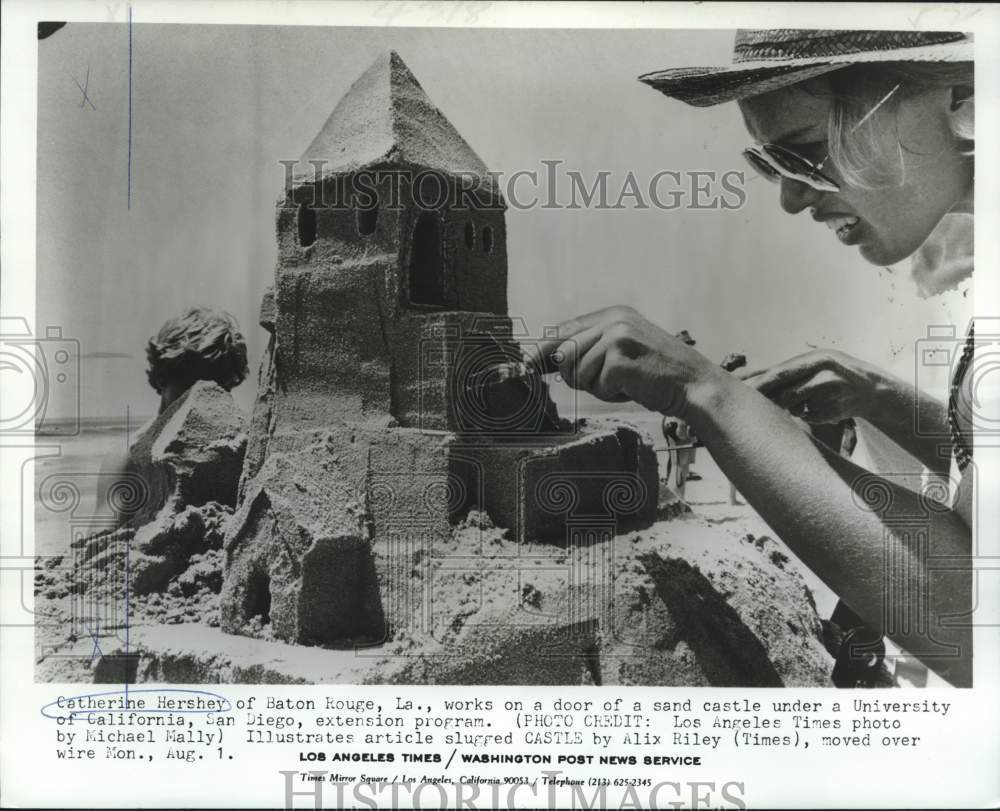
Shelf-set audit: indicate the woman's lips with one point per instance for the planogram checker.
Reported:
(846, 228)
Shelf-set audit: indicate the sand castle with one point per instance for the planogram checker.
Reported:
(374, 431)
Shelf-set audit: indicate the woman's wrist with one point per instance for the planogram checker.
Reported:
(890, 398)
(707, 393)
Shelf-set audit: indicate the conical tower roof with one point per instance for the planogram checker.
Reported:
(386, 118)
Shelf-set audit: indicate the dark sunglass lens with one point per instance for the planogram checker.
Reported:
(761, 165)
(789, 161)
(799, 168)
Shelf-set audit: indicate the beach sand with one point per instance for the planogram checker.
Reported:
(77, 460)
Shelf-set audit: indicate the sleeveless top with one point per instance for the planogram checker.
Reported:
(961, 442)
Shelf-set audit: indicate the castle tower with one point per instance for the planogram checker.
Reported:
(390, 220)
(400, 181)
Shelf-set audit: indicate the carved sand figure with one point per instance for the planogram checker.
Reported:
(168, 498)
(181, 470)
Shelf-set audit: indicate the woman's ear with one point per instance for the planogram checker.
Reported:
(960, 94)
(963, 109)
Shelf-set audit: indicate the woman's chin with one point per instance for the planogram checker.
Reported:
(888, 245)
(879, 254)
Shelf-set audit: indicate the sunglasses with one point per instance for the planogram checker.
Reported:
(775, 162)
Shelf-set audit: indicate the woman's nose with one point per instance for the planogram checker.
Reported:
(796, 195)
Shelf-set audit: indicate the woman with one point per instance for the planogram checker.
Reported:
(872, 134)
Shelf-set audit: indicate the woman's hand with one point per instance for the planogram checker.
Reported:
(617, 355)
(822, 386)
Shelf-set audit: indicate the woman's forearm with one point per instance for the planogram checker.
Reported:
(879, 558)
(894, 411)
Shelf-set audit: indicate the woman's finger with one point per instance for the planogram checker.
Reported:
(572, 352)
(787, 372)
(789, 398)
(816, 401)
(590, 373)
(605, 384)
(595, 375)
(823, 386)
(540, 354)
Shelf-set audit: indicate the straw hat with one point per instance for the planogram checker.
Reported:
(765, 60)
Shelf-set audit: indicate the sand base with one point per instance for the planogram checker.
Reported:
(684, 602)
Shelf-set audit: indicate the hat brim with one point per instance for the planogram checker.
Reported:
(707, 86)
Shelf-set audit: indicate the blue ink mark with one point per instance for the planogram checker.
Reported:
(226, 708)
(130, 108)
(83, 89)
(128, 578)
(96, 640)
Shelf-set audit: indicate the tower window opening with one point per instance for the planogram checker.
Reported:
(258, 596)
(470, 235)
(368, 218)
(307, 225)
(426, 275)
(487, 239)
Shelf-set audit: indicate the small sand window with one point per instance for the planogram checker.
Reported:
(258, 596)
(307, 225)
(368, 218)
(426, 268)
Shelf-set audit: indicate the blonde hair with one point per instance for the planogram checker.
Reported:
(201, 344)
(868, 150)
